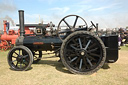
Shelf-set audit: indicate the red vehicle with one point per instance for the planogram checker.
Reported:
(7, 40)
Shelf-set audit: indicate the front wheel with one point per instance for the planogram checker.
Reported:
(83, 52)
(20, 58)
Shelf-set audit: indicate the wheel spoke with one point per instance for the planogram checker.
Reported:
(80, 43)
(92, 50)
(25, 56)
(70, 51)
(91, 57)
(35, 57)
(75, 22)
(20, 65)
(26, 60)
(73, 59)
(19, 51)
(85, 62)
(89, 62)
(74, 47)
(70, 55)
(25, 63)
(93, 54)
(74, 41)
(67, 24)
(36, 54)
(93, 45)
(84, 41)
(17, 63)
(81, 61)
(14, 57)
(13, 61)
(78, 59)
(87, 45)
(16, 53)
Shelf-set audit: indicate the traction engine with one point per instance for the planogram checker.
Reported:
(7, 39)
(81, 51)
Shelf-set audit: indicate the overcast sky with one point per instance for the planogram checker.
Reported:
(108, 13)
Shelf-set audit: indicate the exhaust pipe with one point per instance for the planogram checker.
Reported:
(21, 22)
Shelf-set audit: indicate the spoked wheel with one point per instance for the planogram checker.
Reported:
(20, 58)
(5, 45)
(83, 52)
(5, 48)
(70, 24)
(37, 55)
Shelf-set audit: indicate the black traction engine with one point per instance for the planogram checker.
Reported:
(81, 50)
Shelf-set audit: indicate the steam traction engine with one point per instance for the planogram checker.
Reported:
(81, 51)
(7, 39)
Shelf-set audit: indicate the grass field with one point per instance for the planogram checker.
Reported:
(50, 72)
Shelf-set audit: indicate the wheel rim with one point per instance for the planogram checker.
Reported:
(83, 53)
(19, 59)
(70, 27)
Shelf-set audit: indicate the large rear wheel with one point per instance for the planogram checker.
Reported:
(83, 52)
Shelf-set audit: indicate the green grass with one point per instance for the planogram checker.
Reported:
(124, 47)
(50, 72)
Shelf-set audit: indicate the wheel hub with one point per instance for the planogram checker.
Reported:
(19, 58)
(82, 53)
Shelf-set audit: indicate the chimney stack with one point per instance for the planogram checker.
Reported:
(21, 22)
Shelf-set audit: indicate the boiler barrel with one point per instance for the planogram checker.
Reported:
(42, 43)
